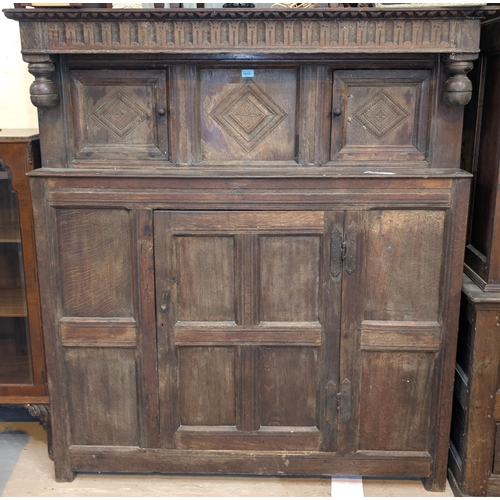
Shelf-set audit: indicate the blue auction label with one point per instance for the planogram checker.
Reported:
(247, 73)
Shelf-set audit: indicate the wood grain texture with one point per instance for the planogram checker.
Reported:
(147, 349)
(258, 341)
(208, 438)
(475, 406)
(94, 332)
(248, 119)
(454, 240)
(266, 333)
(101, 415)
(207, 382)
(289, 276)
(289, 396)
(384, 122)
(96, 266)
(118, 115)
(402, 377)
(247, 32)
(404, 262)
(129, 459)
(206, 281)
(185, 116)
(400, 335)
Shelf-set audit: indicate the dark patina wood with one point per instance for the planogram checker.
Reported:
(251, 272)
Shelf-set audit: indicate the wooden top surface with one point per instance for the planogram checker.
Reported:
(363, 13)
(18, 134)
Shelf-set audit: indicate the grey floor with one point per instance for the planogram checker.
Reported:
(27, 471)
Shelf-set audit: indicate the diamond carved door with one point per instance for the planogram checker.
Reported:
(119, 116)
(380, 115)
(252, 119)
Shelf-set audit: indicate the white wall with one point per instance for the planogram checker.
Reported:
(16, 110)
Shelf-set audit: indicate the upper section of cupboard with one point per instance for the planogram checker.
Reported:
(262, 88)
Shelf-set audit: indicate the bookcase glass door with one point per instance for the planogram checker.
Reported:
(15, 358)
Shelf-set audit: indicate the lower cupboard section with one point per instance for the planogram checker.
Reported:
(137, 460)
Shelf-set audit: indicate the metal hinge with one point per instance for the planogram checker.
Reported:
(343, 250)
(338, 402)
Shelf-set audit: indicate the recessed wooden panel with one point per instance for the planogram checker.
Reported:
(249, 119)
(380, 115)
(102, 396)
(96, 267)
(119, 115)
(289, 276)
(205, 267)
(207, 386)
(403, 265)
(289, 379)
(395, 401)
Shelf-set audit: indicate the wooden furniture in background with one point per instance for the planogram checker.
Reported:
(250, 229)
(22, 365)
(475, 434)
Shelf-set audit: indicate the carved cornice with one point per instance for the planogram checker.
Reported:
(243, 14)
(46, 31)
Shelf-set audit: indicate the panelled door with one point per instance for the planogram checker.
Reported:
(298, 330)
(248, 329)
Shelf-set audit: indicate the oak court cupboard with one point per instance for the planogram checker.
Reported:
(250, 229)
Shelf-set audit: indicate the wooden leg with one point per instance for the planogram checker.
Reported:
(64, 474)
(42, 413)
(435, 484)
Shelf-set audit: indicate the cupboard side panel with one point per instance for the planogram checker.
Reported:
(96, 265)
(51, 304)
(395, 401)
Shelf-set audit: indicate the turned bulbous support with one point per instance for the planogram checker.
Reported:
(458, 88)
(43, 91)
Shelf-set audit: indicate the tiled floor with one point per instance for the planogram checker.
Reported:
(33, 475)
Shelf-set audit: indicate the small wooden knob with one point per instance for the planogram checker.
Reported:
(337, 111)
(162, 111)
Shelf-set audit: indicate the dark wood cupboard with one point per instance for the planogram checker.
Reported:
(22, 364)
(252, 229)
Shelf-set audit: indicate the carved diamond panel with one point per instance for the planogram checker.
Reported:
(248, 115)
(120, 114)
(380, 115)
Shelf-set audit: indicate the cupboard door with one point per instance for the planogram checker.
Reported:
(119, 116)
(247, 335)
(391, 329)
(250, 119)
(380, 115)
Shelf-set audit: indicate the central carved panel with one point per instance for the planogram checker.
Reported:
(380, 115)
(120, 114)
(248, 115)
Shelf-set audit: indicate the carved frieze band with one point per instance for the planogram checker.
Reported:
(246, 35)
